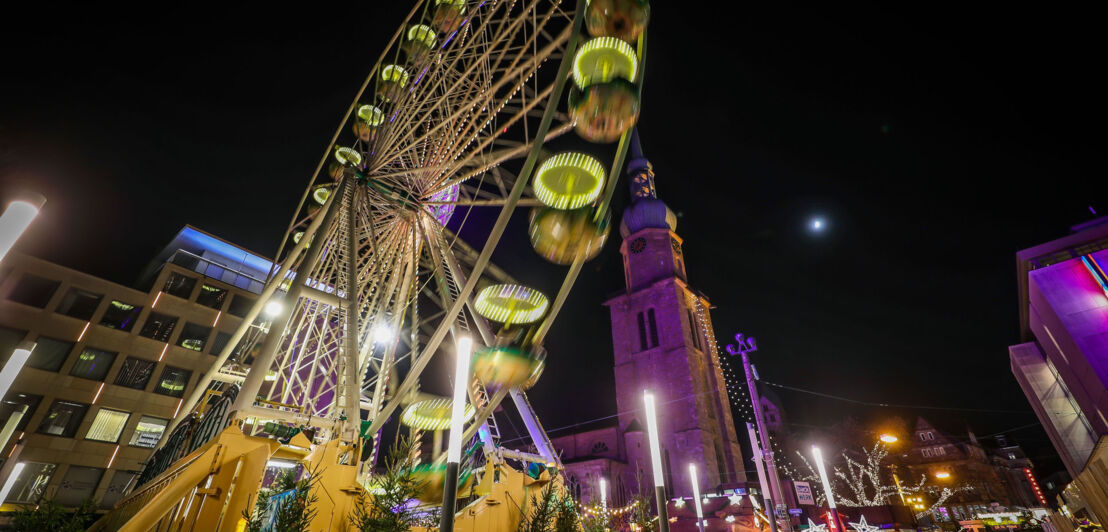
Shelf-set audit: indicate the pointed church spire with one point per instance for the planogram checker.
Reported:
(640, 172)
(645, 210)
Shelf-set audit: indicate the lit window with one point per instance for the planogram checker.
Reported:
(148, 432)
(179, 285)
(31, 483)
(173, 381)
(34, 291)
(211, 296)
(93, 364)
(926, 453)
(158, 326)
(16, 401)
(63, 418)
(108, 425)
(194, 336)
(135, 373)
(121, 316)
(79, 304)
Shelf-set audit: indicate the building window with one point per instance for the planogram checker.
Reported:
(34, 291)
(221, 339)
(93, 364)
(79, 304)
(1011, 456)
(158, 326)
(179, 285)
(599, 448)
(194, 336)
(642, 331)
(63, 419)
(117, 486)
(135, 373)
(694, 330)
(211, 296)
(121, 316)
(78, 485)
(9, 340)
(173, 381)
(108, 425)
(240, 306)
(652, 328)
(31, 483)
(926, 453)
(148, 432)
(16, 401)
(49, 353)
(939, 451)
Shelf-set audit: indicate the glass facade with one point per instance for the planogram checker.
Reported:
(173, 381)
(93, 364)
(135, 373)
(148, 432)
(79, 304)
(63, 418)
(120, 315)
(108, 425)
(49, 353)
(158, 327)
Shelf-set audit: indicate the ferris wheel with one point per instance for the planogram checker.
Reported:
(373, 280)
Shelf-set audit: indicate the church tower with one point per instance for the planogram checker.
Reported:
(664, 342)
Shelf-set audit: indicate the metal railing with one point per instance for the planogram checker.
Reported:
(219, 272)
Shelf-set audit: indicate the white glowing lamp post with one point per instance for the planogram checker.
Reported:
(696, 497)
(16, 219)
(14, 365)
(656, 460)
(604, 494)
(457, 420)
(826, 487)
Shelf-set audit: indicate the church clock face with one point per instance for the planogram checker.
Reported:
(637, 245)
(676, 245)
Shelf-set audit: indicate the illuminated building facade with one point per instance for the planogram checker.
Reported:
(111, 362)
(663, 341)
(1062, 364)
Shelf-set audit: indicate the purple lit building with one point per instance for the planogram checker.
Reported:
(663, 341)
(1062, 365)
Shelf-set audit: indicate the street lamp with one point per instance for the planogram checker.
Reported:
(16, 219)
(604, 495)
(942, 475)
(696, 496)
(656, 460)
(457, 420)
(889, 438)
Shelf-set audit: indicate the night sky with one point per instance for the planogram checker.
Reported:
(934, 141)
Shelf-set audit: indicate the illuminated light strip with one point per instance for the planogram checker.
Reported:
(83, 331)
(501, 303)
(112, 460)
(17, 440)
(613, 49)
(571, 172)
(217, 315)
(156, 298)
(161, 356)
(97, 396)
(178, 409)
(1095, 271)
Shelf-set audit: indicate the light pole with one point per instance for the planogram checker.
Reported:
(457, 420)
(826, 487)
(745, 347)
(17, 218)
(761, 473)
(656, 461)
(696, 496)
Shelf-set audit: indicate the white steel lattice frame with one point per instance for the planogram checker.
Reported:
(374, 254)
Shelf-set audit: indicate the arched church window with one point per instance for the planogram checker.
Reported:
(599, 448)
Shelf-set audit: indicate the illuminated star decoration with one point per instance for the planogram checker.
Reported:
(813, 527)
(863, 526)
(679, 503)
(735, 500)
